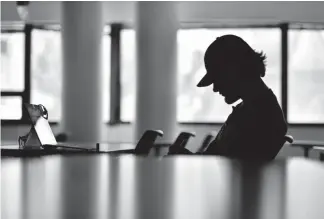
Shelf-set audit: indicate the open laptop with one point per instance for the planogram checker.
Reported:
(39, 119)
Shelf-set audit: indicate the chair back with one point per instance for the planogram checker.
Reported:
(146, 142)
(275, 150)
(206, 142)
(182, 139)
(289, 139)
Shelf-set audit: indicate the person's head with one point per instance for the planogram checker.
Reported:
(230, 63)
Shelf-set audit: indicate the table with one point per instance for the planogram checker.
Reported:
(13, 149)
(103, 146)
(307, 145)
(177, 187)
(321, 152)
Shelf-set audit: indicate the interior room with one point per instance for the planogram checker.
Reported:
(153, 109)
(32, 52)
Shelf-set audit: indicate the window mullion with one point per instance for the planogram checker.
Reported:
(27, 89)
(115, 88)
(284, 68)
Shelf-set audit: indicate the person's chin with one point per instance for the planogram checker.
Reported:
(231, 100)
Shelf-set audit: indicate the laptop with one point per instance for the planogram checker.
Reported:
(38, 116)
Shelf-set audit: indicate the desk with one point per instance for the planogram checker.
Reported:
(178, 187)
(321, 152)
(105, 147)
(13, 149)
(307, 145)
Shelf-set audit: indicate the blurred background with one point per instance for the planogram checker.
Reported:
(290, 33)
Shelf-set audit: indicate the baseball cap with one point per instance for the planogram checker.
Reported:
(225, 50)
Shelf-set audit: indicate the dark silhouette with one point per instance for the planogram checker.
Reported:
(146, 142)
(206, 142)
(256, 128)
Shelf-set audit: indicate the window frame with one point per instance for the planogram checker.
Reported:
(297, 26)
(47, 27)
(25, 94)
(115, 74)
(284, 29)
(115, 58)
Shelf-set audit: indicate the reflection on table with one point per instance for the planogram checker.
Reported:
(126, 186)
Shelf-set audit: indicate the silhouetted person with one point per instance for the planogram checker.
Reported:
(256, 127)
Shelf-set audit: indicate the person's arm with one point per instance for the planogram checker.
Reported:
(213, 149)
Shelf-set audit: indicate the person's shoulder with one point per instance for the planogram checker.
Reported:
(266, 108)
(270, 112)
(266, 102)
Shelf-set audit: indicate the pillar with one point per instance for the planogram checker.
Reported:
(82, 28)
(156, 92)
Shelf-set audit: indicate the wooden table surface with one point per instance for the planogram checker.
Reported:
(126, 186)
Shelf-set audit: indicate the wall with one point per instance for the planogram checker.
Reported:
(201, 12)
(256, 12)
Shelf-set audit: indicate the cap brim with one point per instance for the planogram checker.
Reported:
(205, 81)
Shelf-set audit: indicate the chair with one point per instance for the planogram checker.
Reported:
(206, 142)
(307, 145)
(274, 151)
(320, 150)
(182, 139)
(180, 142)
(289, 139)
(146, 142)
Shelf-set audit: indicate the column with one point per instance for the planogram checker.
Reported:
(156, 92)
(82, 28)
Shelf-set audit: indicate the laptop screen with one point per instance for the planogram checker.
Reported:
(38, 116)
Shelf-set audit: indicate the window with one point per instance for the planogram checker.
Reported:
(46, 84)
(194, 104)
(12, 71)
(106, 48)
(31, 71)
(11, 108)
(306, 76)
(201, 104)
(46, 70)
(128, 75)
(12, 61)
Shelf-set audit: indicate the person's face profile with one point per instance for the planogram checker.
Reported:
(225, 81)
